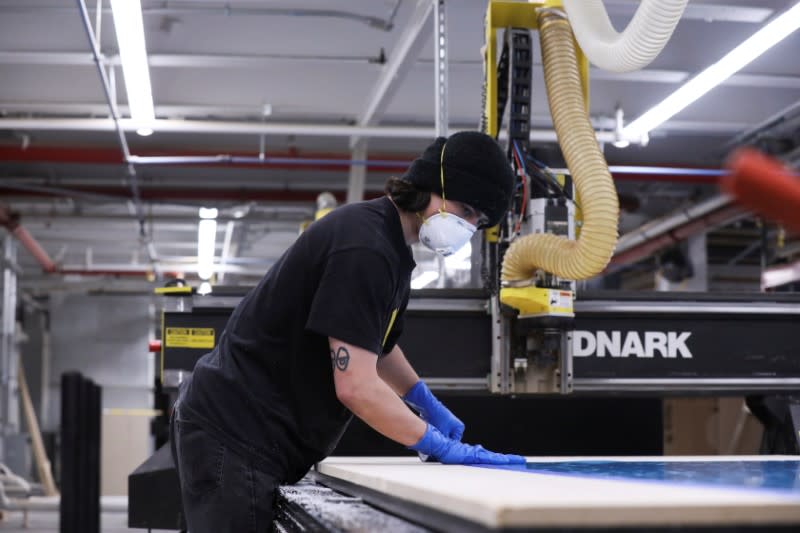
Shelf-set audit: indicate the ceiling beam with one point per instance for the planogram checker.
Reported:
(402, 59)
(177, 112)
(666, 76)
(39, 215)
(251, 128)
(54, 226)
(99, 109)
(403, 56)
(132, 268)
(247, 61)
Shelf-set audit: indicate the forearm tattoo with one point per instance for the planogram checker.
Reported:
(340, 358)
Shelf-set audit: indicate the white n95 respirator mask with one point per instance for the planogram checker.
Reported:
(445, 233)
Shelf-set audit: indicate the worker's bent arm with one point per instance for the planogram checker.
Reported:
(360, 389)
(396, 371)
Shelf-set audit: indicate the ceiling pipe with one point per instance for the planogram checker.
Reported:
(106, 193)
(313, 161)
(656, 173)
(263, 61)
(36, 213)
(225, 9)
(10, 220)
(182, 60)
(255, 128)
(112, 106)
(166, 268)
(140, 273)
(147, 239)
(223, 159)
(165, 194)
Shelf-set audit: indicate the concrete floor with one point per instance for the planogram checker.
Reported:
(47, 522)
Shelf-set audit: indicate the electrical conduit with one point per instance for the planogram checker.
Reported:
(590, 254)
(633, 49)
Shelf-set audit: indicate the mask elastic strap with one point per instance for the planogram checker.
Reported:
(441, 174)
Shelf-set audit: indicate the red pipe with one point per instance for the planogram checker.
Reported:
(113, 156)
(34, 248)
(153, 193)
(10, 220)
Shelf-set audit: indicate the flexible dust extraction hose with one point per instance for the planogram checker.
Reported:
(633, 49)
(590, 254)
(764, 185)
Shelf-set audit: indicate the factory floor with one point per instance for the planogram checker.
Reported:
(47, 522)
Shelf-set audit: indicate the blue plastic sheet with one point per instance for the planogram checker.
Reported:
(770, 475)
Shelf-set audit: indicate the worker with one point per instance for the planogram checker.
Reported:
(316, 342)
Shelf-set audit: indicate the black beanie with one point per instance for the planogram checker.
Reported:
(476, 172)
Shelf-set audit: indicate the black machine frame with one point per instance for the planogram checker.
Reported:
(646, 344)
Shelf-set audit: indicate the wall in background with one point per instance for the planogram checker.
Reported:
(105, 338)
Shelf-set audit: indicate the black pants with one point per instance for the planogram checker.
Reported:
(221, 491)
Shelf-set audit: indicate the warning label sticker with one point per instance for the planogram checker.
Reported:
(189, 338)
(560, 303)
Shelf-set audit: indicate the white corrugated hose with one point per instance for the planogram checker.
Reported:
(635, 47)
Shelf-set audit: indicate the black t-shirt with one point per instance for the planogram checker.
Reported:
(267, 389)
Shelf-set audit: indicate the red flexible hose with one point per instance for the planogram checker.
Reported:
(764, 185)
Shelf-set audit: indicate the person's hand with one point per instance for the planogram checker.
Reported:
(450, 451)
(433, 411)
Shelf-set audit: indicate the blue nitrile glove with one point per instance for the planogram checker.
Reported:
(449, 451)
(432, 410)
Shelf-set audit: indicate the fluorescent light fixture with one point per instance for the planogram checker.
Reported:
(761, 41)
(206, 243)
(133, 53)
(424, 279)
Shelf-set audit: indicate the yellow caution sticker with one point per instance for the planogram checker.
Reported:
(189, 338)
